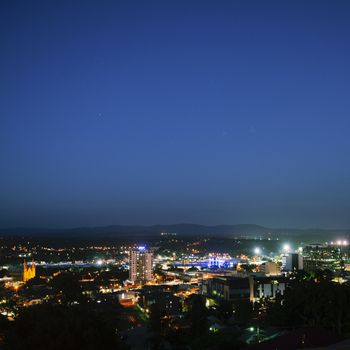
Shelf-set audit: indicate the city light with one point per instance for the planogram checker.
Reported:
(175, 177)
(340, 242)
(286, 248)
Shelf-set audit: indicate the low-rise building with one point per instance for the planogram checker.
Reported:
(229, 288)
(270, 268)
(168, 303)
(246, 288)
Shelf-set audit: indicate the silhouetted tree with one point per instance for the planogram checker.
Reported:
(243, 311)
(316, 301)
(198, 316)
(4, 323)
(225, 309)
(4, 272)
(68, 285)
(47, 327)
(155, 317)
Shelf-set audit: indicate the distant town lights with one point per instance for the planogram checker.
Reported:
(340, 242)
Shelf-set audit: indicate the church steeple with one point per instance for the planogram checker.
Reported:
(28, 272)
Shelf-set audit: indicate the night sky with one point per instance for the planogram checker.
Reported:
(146, 112)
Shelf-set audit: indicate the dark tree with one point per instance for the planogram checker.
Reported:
(4, 323)
(47, 327)
(225, 309)
(67, 284)
(198, 316)
(155, 317)
(243, 311)
(3, 273)
(313, 302)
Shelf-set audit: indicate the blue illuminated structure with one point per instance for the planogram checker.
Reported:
(214, 262)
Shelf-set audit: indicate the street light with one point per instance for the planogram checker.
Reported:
(257, 251)
(286, 248)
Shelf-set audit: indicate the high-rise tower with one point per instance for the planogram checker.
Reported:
(140, 262)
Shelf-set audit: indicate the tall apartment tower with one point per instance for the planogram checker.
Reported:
(140, 265)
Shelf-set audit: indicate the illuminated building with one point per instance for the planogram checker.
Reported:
(293, 262)
(28, 271)
(324, 256)
(244, 288)
(140, 263)
(269, 287)
(218, 261)
(168, 303)
(127, 298)
(229, 288)
(270, 268)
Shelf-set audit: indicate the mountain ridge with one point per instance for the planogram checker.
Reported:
(181, 229)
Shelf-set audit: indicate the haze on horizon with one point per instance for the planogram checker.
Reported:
(155, 112)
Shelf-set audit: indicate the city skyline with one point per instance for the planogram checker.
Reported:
(174, 174)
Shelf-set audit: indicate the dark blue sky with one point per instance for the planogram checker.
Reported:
(143, 112)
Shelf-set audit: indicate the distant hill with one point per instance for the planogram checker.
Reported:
(243, 230)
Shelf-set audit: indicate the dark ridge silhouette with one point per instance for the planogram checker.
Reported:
(231, 231)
